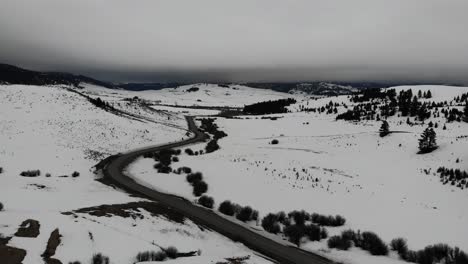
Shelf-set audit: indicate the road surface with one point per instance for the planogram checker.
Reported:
(113, 169)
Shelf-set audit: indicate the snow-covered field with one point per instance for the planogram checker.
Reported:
(59, 132)
(206, 95)
(337, 167)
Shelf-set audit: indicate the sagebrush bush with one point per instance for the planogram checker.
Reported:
(245, 214)
(1, 170)
(400, 246)
(274, 142)
(151, 256)
(74, 262)
(339, 242)
(1, 207)
(75, 174)
(372, 243)
(100, 259)
(206, 201)
(31, 173)
(315, 233)
(329, 220)
(199, 188)
(171, 252)
(270, 223)
(295, 233)
(189, 151)
(299, 217)
(194, 177)
(227, 208)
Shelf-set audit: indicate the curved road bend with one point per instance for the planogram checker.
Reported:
(114, 167)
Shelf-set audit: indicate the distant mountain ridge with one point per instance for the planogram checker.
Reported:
(10, 74)
(14, 75)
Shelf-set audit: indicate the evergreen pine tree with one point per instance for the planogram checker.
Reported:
(384, 129)
(428, 94)
(420, 94)
(427, 142)
(465, 112)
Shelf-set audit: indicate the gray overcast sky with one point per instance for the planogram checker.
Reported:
(239, 40)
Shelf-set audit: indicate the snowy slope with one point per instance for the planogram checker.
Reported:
(378, 184)
(206, 95)
(59, 132)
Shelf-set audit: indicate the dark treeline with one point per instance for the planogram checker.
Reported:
(269, 107)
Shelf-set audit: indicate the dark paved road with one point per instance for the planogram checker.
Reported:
(114, 166)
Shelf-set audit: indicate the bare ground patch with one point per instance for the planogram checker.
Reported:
(29, 228)
(130, 210)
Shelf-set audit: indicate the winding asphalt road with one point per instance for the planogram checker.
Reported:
(113, 169)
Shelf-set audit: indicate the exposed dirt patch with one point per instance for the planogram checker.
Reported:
(235, 260)
(130, 210)
(52, 244)
(11, 255)
(29, 228)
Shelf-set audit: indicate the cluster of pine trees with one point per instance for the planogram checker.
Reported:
(269, 107)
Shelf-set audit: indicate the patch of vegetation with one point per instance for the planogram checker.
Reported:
(100, 259)
(339, 242)
(329, 220)
(427, 142)
(455, 177)
(368, 241)
(227, 208)
(384, 129)
(75, 174)
(30, 173)
(206, 201)
(270, 223)
(1, 207)
(269, 107)
(151, 256)
(274, 142)
(209, 126)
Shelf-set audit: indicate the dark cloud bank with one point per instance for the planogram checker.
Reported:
(243, 40)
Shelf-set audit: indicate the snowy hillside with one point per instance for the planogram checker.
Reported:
(62, 134)
(338, 167)
(199, 95)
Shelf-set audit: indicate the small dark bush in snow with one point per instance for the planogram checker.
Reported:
(1, 170)
(74, 262)
(339, 242)
(299, 217)
(274, 142)
(175, 159)
(151, 256)
(206, 201)
(199, 188)
(315, 233)
(270, 223)
(31, 173)
(329, 220)
(226, 208)
(189, 151)
(245, 214)
(100, 259)
(194, 177)
(171, 252)
(1, 207)
(75, 174)
(399, 245)
(47, 175)
(295, 233)
(372, 243)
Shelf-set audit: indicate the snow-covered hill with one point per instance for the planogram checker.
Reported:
(57, 131)
(338, 167)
